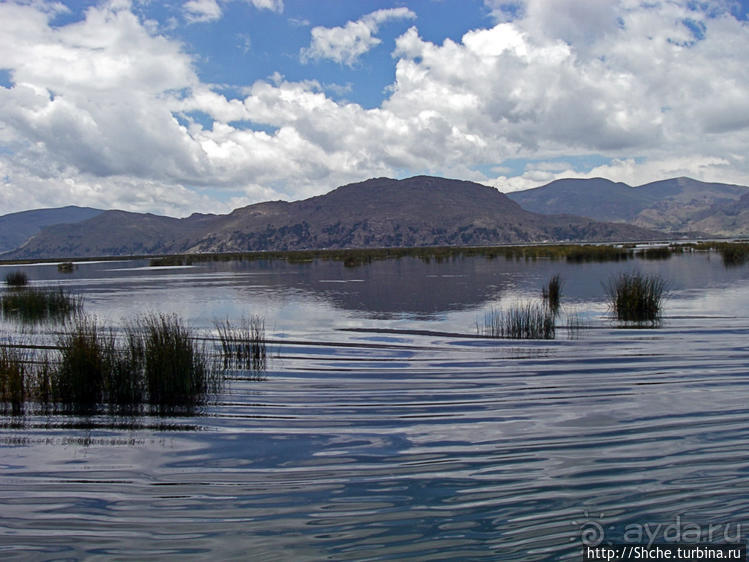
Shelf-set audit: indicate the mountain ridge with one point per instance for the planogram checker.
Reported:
(673, 205)
(16, 228)
(379, 212)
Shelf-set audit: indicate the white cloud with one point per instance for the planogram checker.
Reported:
(103, 111)
(346, 44)
(202, 10)
(631, 171)
(272, 5)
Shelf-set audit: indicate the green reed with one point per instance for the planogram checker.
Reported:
(244, 346)
(521, 321)
(552, 293)
(29, 304)
(635, 297)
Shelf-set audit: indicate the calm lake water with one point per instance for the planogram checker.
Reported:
(385, 429)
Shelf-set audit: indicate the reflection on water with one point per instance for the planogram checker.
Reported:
(377, 434)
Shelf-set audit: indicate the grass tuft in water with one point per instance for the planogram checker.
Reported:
(522, 321)
(575, 323)
(552, 294)
(244, 346)
(635, 297)
(30, 304)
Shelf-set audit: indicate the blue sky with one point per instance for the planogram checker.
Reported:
(206, 105)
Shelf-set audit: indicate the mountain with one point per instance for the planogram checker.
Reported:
(16, 228)
(381, 212)
(673, 205)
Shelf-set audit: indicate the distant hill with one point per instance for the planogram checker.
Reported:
(381, 212)
(16, 228)
(673, 205)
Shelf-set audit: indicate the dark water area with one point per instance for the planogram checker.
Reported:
(386, 429)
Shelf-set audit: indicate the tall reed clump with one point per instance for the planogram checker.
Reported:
(552, 293)
(16, 279)
(176, 369)
(13, 378)
(635, 297)
(29, 304)
(156, 362)
(86, 356)
(244, 346)
(522, 321)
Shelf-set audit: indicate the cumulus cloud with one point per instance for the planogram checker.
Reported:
(106, 112)
(346, 44)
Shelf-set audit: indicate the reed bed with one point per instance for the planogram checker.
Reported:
(16, 279)
(29, 304)
(364, 256)
(156, 363)
(660, 252)
(734, 254)
(522, 321)
(635, 297)
(244, 345)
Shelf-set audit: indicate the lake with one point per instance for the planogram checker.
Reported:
(386, 429)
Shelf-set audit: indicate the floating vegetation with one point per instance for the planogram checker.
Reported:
(552, 294)
(31, 305)
(244, 345)
(16, 279)
(522, 321)
(635, 297)
(66, 267)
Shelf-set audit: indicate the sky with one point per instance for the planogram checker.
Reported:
(182, 106)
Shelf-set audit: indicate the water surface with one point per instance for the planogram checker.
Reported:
(385, 429)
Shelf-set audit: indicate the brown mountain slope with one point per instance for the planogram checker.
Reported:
(418, 211)
(381, 212)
